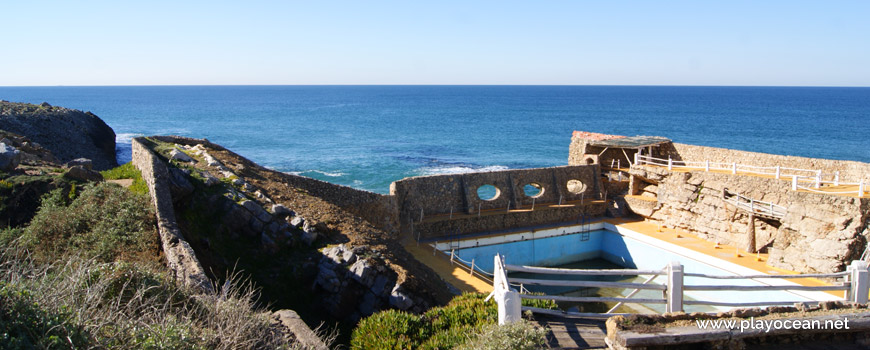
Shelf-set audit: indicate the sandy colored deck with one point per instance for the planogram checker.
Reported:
(728, 253)
(455, 274)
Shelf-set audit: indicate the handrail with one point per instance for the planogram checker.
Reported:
(592, 299)
(815, 275)
(563, 283)
(818, 178)
(765, 287)
(583, 272)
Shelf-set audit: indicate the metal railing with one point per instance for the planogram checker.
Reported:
(856, 283)
(814, 177)
(754, 206)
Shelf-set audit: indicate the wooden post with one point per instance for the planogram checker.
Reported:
(451, 256)
(860, 286)
(675, 287)
(471, 270)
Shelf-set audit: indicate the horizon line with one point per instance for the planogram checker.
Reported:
(470, 85)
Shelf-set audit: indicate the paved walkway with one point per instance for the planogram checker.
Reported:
(574, 332)
(455, 274)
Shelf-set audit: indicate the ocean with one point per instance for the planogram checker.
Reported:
(368, 136)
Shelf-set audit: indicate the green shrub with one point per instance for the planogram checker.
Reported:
(522, 335)
(104, 222)
(439, 328)
(25, 325)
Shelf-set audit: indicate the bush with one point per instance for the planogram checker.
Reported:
(104, 222)
(25, 325)
(522, 335)
(439, 328)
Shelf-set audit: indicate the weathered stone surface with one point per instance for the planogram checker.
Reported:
(301, 332)
(180, 156)
(51, 127)
(83, 162)
(362, 272)
(179, 185)
(258, 211)
(9, 157)
(82, 174)
(297, 221)
(281, 211)
(399, 299)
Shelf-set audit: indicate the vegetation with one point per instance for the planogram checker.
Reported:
(459, 323)
(127, 171)
(84, 274)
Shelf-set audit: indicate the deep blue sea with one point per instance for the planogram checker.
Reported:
(369, 136)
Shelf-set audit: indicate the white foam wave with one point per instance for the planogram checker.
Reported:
(126, 138)
(444, 170)
(325, 173)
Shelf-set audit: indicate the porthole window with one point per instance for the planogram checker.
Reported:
(533, 190)
(576, 187)
(488, 192)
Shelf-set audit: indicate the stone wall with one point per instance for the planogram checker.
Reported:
(180, 257)
(820, 233)
(379, 210)
(850, 171)
(440, 195)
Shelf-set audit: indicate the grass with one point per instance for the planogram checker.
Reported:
(127, 171)
(445, 327)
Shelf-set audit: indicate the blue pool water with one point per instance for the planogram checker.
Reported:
(369, 136)
(573, 249)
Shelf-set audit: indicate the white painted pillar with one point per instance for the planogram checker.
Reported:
(778, 172)
(818, 179)
(861, 188)
(836, 178)
(707, 165)
(733, 167)
(670, 163)
(636, 157)
(794, 182)
(675, 287)
(860, 278)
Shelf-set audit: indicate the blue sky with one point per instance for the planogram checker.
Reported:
(816, 43)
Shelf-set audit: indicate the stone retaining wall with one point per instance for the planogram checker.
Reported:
(180, 257)
(820, 233)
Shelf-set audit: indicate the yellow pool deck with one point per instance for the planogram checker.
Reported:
(459, 276)
(732, 254)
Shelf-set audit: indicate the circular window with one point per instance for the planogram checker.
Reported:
(576, 187)
(488, 192)
(533, 190)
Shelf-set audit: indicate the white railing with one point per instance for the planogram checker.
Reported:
(754, 206)
(814, 177)
(856, 283)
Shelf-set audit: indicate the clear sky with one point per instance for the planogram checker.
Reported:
(577, 42)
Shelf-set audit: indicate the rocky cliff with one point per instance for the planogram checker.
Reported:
(67, 133)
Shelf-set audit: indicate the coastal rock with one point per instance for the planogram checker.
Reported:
(281, 211)
(258, 211)
(9, 157)
(67, 133)
(83, 162)
(297, 221)
(362, 272)
(80, 173)
(180, 156)
(399, 299)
